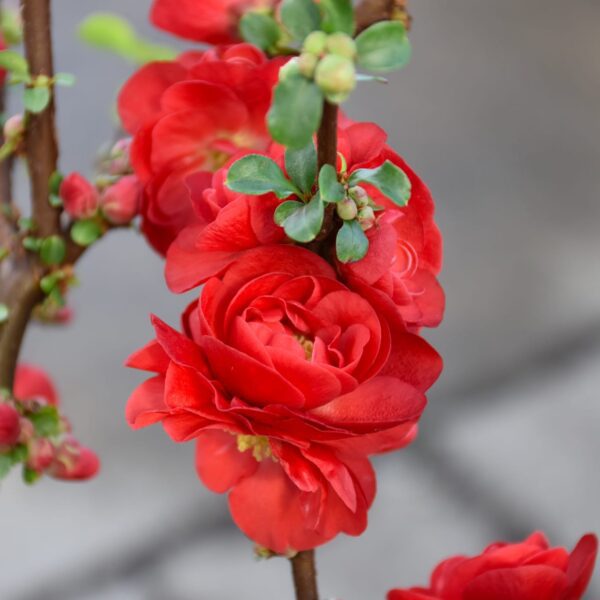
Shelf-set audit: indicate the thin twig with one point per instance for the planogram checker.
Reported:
(305, 575)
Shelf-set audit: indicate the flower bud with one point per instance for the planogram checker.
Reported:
(307, 64)
(366, 217)
(79, 196)
(346, 209)
(336, 76)
(119, 161)
(73, 461)
(121, 201)
(27, 431)
(290, 69)
(359, 195)
(315, 43)
(41, 454)
(14, 127)
(10, 426)
(342, 45)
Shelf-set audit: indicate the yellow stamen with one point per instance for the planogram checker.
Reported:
(259, 444)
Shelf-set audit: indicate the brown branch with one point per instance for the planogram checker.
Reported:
(369, 12)
(40, 137)
(327, 136)
(305, 575)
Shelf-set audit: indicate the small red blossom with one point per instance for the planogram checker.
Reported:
(72, 461)
(288, 380)
(530, 570)
(196, 113)
(32, 383)
(209, 21)
(405, 252)
(80, 198)
(120, 202)
(10, 427)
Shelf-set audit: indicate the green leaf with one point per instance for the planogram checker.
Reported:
(46, 421)
(300, 17)
(304, 224)
(338, 15)
(301, 166)
(54, 182)
(32, 244)
(6, 464)
(14, 63)
(389, 179)
(36, 99)
(53, 250)
(296, 112)
(10, 26)
(351, 243)
(48, 283)
(256, 175)
(114, 34)
(30, 476)
(330, 188)
(4, 313)
(285, 209)
(384, 46)
(85, 232)
(66, 79)
(260, 30)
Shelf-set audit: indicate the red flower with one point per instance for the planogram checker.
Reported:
(32, 383)
(210, 21)
(405, 253)
(188, 117)
(79, 196)
(529, 570)
(121, 201)
(10, 427)
(288, 380)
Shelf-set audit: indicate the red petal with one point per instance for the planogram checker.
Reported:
(32, 382)
(146, 405)
(581, 567)
(151, 357)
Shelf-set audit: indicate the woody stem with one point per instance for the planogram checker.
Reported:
(305, 575)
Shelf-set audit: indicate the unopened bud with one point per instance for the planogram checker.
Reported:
(79, 196)
(121, 201)
(119, 162)
(73, 461)
(342, 45)
(10, 426)
(366, 217)
(27, 431)
(336, 76)
(289, 70)
(41, 454)
(14, 127)
(360, 196)
(307, 64)
(315, 43)
(346, 209)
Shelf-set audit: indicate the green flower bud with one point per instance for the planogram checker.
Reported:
(315, 43)
(366, 217)
(307, 63)
(336, 76)
(289, 70)
(347, 209)
(342, 45)
(360, 196)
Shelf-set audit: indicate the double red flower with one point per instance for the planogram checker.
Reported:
(288, 380)
(530, 570)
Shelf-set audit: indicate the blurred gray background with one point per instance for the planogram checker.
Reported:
(500, 113)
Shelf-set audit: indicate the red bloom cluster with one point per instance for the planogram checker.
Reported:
(62, 457)
(196, 113)
(530, 570)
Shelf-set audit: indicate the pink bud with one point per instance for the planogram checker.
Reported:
(121, 201)
(119, 157)
(14, 128)
(41, 454)
(27, 431)
(79, 196)
(74, 462)
(10, 427)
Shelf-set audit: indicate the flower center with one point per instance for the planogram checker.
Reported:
(307, 345)
(259, 444)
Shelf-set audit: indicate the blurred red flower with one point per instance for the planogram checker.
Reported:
(529, 570)
(288, 380)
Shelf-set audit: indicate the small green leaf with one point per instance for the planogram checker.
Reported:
(66, 79)
(301, 166)
(14, 63)
(362, 77)
(36, 99)
(48, 283)
(54, 182)
(85, 232)
(256, 174)
(30, 476)
(304, 224)
(114, 34)
(285, 209)
(10, 26)
(260, 30)
(46, 421)
(32, 244)
(351, 244)
(300, 17)
(338, 15)
(55, 200)
(389, 179)
(330, 188)
(6, 464)
(4, 313)
(384, 46)
(53, 250)
(296, 112)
